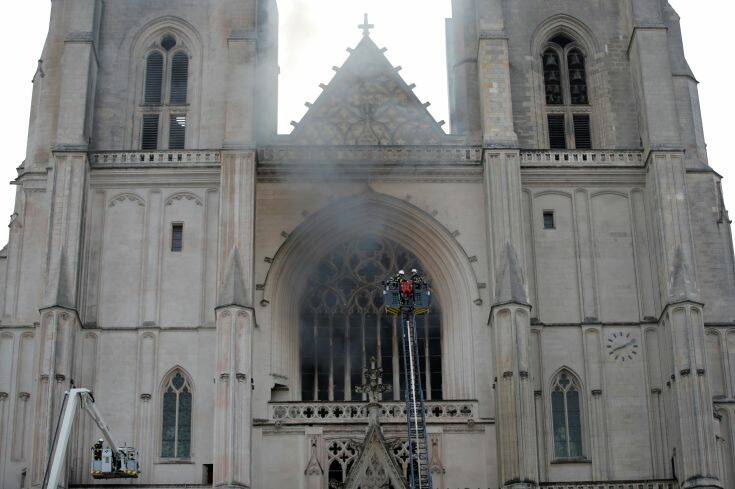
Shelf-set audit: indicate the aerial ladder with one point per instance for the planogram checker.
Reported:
(408, 297)
(111, 462)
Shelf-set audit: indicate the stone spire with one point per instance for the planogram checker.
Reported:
(60, 294)
(233, 291)
(511, 286)
(682, 286)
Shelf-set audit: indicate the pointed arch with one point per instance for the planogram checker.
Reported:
(171, 118)
(569, 84)
(567, 420)
(371, 213)
(129, 196)
(176, 408)
(178, 196)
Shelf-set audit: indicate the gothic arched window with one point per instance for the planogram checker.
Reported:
(165, 96)
(567, 94)
(566, 410)
(176, 416)
(343, 324)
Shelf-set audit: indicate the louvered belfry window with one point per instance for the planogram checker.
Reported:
(557, 131)
(165, 96)
(177, 131)
(582, 134)
(154, 78)
(568, 108)
(149, 138)
(179, 78)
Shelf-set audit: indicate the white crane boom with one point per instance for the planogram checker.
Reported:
(121, 463)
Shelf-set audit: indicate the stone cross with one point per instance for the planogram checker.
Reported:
(365, 26)
(373, 383)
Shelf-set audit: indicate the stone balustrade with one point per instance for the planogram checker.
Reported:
(122, 159)
(649, 484)
(356, 412)
(582, 158)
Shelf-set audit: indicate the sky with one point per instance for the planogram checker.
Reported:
(315, 35)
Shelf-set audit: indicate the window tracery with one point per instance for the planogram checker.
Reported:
(567, 95)
(341, 455)
(176, 417)
(566, 409)
(165, 95)
(343, 324)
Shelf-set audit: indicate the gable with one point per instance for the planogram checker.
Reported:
(375, 468)
(367, 103)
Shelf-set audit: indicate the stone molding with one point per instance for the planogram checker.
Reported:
(639, 484)
(424, 163)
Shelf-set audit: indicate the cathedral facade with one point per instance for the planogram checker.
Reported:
(217, 285)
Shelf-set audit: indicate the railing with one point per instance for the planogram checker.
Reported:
(155, 158)
(575, 158)
(649, 484)
(356, 412)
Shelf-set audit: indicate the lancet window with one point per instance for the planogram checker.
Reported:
(567, 94)
(176, 417)
(343, 324)
(566, 409)
(165, 95)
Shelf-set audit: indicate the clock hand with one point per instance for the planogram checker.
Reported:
(623, 346)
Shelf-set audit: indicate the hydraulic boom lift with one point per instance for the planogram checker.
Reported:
(408, 297)
(107, 463)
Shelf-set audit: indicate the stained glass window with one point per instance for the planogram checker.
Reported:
(343, 324)
(176, 417)
(566, 417)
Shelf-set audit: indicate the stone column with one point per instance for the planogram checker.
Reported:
(144, 411)
(650, 61)
(682, 325)
(58, 329)
(510, 321)
(235, 320)
(494, 77)
(462, 70)
(6, 369)
(234, 314)
(596, 407)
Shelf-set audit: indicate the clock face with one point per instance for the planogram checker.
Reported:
(622, 346)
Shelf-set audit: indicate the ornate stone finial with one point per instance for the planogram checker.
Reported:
(366, 26)
(373, 386)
